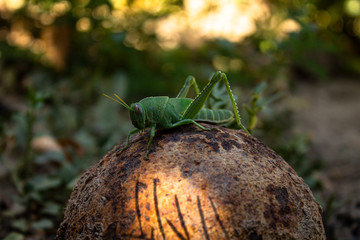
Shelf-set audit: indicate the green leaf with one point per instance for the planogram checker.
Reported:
(50, 157)
(15, 209)
(67, 172)
(20, 224)
(14, 236)
(42, 224)
(51, 208)
(260, 88)
(72, 183)
(34, 195)
(40, 183)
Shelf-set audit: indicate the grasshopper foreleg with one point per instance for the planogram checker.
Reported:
(152, 135)
(128, 139)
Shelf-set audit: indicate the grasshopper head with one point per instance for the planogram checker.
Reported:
(137, 112)
(138, 116)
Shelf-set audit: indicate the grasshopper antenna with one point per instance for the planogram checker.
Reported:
(120, 102)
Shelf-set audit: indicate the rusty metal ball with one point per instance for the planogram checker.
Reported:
(218, 184)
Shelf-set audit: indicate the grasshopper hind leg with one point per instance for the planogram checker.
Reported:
(190, 81)
(152, 135)
(188, 121)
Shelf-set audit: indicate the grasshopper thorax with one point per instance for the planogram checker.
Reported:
(138, 115)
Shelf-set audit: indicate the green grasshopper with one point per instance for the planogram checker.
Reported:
(164, 112)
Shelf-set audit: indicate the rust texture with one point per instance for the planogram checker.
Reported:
(218, 184)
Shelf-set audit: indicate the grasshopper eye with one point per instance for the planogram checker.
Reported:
(138, 109)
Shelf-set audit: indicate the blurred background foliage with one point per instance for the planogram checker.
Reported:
(57, 58)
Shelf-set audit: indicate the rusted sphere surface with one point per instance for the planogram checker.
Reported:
(218, 184)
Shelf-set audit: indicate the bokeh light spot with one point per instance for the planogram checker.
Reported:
(83, 24)
(60, 8)
(352, 8)
(11, 5)
(118, 4)
(323, 19)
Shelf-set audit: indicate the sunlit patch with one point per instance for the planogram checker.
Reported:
(19, 36)
(225, 64)
(60, 8)
(83, 24)
(191, 24)
(352, 7)
(118, 4)
(11, 5)
(202, 20)
(286, 27)
(101, 12)
(38, 46)
(47, 19)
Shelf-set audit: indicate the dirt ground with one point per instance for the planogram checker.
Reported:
(330, 113)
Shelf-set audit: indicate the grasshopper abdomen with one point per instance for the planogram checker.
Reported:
(217, 116)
